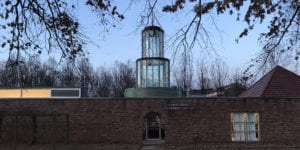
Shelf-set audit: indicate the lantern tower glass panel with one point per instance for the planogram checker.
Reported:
(153, 68)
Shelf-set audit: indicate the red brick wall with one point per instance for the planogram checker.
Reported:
(121, 121)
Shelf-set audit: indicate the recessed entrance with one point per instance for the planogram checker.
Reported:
(154, 129)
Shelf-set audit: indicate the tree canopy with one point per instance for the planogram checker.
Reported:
(280, 41)
(29, 24)
(25, 22)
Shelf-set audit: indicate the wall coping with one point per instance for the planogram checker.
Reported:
(158, 99)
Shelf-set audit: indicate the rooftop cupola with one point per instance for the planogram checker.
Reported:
(152, 69)
(152, 42)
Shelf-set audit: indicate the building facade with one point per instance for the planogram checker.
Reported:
(179, 123)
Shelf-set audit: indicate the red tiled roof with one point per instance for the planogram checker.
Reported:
(279, 82)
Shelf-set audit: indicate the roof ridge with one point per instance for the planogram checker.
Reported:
(280, 67)
(260, 80)
(278, 81)
(271, 77)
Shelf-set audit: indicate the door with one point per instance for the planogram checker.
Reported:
(153, 131)
(153, 126)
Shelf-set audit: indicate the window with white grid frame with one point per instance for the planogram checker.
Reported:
(245, 126)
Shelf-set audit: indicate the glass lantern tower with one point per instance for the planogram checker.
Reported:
(152, 69)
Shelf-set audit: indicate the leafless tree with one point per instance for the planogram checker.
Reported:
(203, 75)
(219, 75)
(238, 83)
(11, 76)
(176, 77)
(26, 22)
(103, 82)
(52, 72)
(85, 72)
(67, 77)
(123, 76)
(280, 41)
(182, 73)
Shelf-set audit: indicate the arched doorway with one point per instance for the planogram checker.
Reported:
(154, 129)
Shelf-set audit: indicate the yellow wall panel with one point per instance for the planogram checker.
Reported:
(36, 93)
(25, 93)
(10, 93)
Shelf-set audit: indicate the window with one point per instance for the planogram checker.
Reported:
(244, 126)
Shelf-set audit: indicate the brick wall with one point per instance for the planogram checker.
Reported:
(188, 121)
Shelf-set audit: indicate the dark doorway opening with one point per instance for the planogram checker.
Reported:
(154, 129)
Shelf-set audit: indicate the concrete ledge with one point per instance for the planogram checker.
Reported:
(152, 92)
